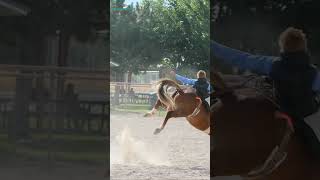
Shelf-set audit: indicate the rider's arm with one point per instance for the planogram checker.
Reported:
(243, 60)
(185, 80)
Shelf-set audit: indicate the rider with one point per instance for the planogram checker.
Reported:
(201, 85)
(296, 80)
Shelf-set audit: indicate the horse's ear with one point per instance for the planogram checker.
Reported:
(217, 81)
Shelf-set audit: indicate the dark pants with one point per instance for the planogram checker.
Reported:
(213, 100)
(206, 104)
(308, 137)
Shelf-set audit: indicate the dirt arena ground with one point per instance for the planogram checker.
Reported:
(29, 170)
(178, 152)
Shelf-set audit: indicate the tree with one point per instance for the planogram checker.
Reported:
(254, 26)
(62, 17)
(133, 45)
(53, 17)
(184, 29)
(144, 34)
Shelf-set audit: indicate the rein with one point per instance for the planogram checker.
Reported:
(259, 88)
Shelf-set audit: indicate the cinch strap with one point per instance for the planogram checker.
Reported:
(196, 110)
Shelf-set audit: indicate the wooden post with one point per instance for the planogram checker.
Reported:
(41, 97)
(102, 117)
(59, 94)
(116, 94)
(21, 106)
(52, 117)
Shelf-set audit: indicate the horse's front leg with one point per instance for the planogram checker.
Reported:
(169, 115)
(154, 109)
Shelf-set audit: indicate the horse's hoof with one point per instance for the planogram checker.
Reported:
(157, 131)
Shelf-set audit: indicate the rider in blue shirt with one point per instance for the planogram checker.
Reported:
(187, 81)
(296, 80)
(201, 85)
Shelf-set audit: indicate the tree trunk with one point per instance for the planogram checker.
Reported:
(129, 81)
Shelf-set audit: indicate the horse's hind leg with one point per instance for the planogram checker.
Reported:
(154, 109)
(169, 115)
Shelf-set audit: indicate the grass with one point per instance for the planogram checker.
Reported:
(136, 108)
(65, 147)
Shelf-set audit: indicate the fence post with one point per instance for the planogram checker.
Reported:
(153, 99)
(59, 93)
(20, 125)
(116, 95)
(52, 113)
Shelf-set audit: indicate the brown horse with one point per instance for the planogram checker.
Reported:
(250, 139)
(159, 104)
(181, 104)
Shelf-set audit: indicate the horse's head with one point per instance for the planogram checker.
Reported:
(244, 131)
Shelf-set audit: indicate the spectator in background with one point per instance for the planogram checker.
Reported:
(116, 95)
(131, 95)
(40, 96)
(122, 91)
(73, 110)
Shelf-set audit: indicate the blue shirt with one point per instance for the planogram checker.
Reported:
(187, 81)
(256, 63)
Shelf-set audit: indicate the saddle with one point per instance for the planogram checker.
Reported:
(251, 85)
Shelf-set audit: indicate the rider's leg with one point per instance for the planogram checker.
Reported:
(206, 105)
(213, 100)
(308, 137)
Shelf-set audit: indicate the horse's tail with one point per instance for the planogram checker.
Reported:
(163, 95)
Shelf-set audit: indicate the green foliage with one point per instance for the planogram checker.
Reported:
(133, 45)
(178, 30)
(76, 17)
(255, 26)
(49, 17)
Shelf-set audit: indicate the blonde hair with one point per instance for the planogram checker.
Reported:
(201, 74)
(292, 40)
